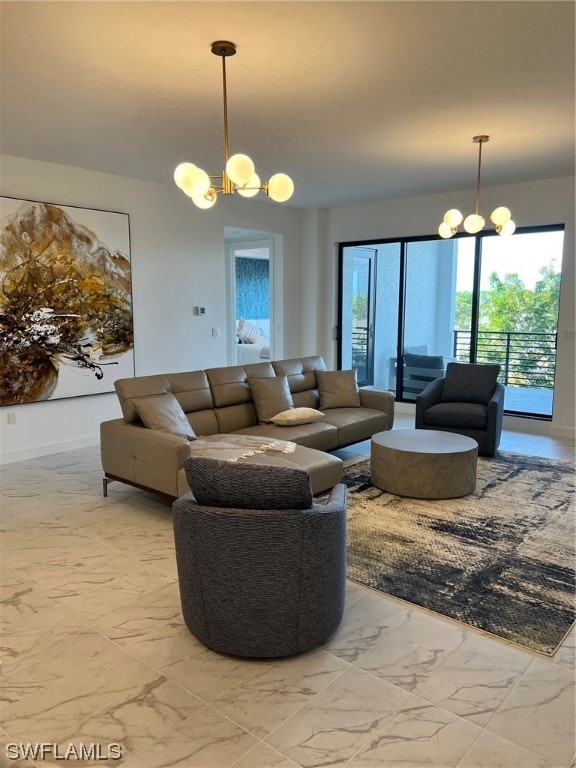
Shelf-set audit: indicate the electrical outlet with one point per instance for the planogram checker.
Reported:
(11, 418)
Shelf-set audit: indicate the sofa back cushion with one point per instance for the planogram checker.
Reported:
(301, 374)
(229, 384)
(191, 389)
(232, 395)
(470, 382)
(239, 485)
(220, 399)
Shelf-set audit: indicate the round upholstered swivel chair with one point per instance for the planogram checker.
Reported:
(261, 566)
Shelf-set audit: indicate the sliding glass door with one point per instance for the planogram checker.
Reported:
(478, 298)
(357, 285)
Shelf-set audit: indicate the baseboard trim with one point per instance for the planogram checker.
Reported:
(565, 432)
(45, 450)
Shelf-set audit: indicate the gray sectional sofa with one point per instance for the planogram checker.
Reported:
(222, 401)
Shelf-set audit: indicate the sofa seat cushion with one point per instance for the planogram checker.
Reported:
(324, 469)
(323, 437)
(458, 415)
(355, 424)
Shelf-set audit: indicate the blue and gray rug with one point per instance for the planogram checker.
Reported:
(501, 559)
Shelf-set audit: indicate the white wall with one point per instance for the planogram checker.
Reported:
(532, 204)
(178, 261)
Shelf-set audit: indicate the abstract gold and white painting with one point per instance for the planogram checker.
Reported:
(65, 301)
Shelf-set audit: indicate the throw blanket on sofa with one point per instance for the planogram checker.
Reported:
(234, 447)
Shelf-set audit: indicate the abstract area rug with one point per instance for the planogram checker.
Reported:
(501, 559)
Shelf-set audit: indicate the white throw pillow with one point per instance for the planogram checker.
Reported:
(295, 416)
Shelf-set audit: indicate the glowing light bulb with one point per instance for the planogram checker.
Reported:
(196, 182)
(473, 223)
(500, 216)
(453, 218)
(183, 174)
(445, 231)
(206, 200)
(252, 187)
(507, 229)
(240, 169)
(280, 187)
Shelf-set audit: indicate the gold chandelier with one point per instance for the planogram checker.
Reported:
(500, 217)
(239, 174)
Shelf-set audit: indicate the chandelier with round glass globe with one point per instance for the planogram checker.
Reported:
(239, 175)
(474, 222)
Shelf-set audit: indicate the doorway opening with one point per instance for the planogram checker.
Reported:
(251, 286)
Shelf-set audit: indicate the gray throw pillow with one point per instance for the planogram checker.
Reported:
(470, 382)
(270, 396)
(164, 413)
(239, 485)
(338, 389)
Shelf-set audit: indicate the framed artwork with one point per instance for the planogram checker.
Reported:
(65, 301)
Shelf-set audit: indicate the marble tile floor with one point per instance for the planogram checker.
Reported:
(95, 652)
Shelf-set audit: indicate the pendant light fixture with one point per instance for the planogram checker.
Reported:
(500, 217)
(239, 174)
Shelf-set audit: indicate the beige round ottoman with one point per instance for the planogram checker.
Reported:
(424, 463)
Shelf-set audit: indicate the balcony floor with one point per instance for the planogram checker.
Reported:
(529, 400)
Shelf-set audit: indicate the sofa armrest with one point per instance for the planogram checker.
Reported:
(379, 401)
(495, 414)
(142, 456)
(431, 395)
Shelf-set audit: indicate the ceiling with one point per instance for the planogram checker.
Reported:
(355, 100)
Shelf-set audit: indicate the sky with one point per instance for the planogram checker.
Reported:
(521, 254)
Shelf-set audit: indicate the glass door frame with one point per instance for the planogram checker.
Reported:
(371, 256)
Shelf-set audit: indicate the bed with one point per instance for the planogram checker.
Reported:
(253, 340)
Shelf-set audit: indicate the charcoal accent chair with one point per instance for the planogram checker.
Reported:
(261, 565)
(468, 400)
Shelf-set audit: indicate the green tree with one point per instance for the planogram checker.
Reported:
(359, 308)
(508, 307)
(545, 301)
(463, 311)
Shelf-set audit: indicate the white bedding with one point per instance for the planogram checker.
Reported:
(252, 353)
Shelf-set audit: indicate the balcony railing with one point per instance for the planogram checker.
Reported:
(526, 359)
